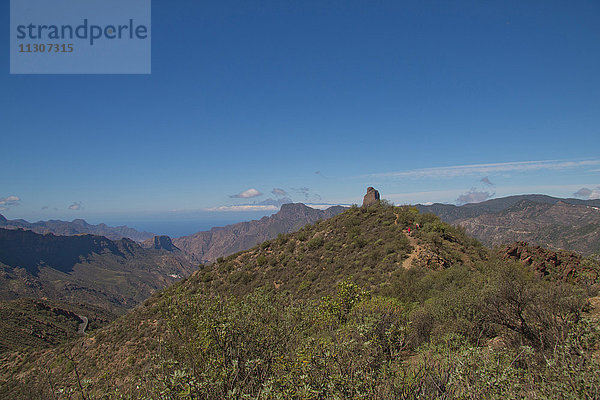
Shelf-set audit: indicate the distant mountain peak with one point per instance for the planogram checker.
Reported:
(292, 207)
(163, 242)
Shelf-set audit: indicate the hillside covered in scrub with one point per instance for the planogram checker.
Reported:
(354, 307)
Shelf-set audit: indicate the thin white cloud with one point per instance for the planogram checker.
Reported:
(484, 169)
(279, 192)
(273, 202)
(447, 196)
(473, 196)
(247, 194)
(422, 197)
(258, 207)
(77, 206)
(325, 206)
(253, 207)
(10, 201)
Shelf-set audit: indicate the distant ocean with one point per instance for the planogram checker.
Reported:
(176, 227)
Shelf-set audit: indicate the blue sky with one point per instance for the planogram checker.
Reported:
(425, 100)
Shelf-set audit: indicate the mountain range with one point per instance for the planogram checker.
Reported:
(76, 227)
(354, 306)
(91, 269)
(569, 224)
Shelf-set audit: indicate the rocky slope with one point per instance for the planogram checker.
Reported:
(568, 224)
(566, 266)
(76, 227)
(39, 324)
(450, 213)
(91, 269)
(209, 245)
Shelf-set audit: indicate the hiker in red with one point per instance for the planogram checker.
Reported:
(409, 231)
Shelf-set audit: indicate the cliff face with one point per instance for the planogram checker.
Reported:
(209, 245)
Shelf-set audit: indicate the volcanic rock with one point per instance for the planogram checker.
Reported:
(371, 197)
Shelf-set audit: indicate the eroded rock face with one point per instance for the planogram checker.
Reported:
(163, 242)
(563, 265)
(371, 197)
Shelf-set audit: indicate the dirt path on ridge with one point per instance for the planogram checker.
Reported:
(417, 248)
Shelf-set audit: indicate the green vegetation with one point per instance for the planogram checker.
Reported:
(349, 308)
(38, 324)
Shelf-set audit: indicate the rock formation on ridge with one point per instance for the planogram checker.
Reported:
(371, 197)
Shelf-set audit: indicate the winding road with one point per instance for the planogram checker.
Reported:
(83, 325)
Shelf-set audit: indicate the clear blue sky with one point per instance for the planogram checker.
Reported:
(318, 98)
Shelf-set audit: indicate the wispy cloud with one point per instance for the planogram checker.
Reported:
(324, 206)
(279, 192)
(588, 194)
(485, 169)
(273, 202)
(307, 194)
(448, 196)
(487, 181)
(9, 201)
(77, 206)
(247, 207)
(473, 196)
(247, 194)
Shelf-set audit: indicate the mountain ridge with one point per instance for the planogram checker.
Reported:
(569, 224)
(207, 246)
(76, 227)
(334, 297)
(116, 275)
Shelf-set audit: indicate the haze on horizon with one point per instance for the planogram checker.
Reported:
(252, 104)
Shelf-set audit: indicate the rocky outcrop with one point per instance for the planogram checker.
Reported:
(371, 197)
(163, 242)
(562, 265)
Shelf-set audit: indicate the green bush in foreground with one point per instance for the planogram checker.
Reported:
(356, 345)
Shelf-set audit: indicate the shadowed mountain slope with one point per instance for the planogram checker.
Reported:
(115, 275)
